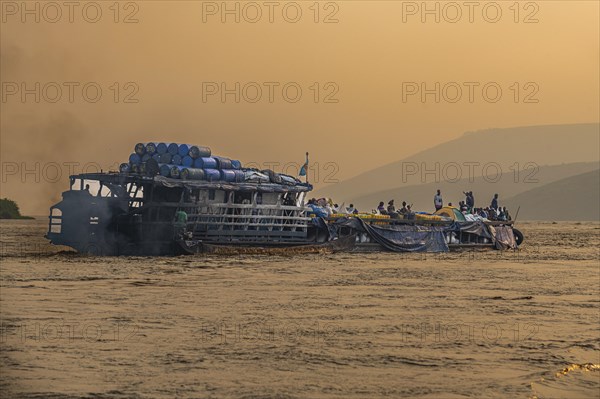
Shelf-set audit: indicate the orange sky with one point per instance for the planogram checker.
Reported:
(370, 54)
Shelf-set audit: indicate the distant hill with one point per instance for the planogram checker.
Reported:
(573, 198)
(496, 148)
(421, 196)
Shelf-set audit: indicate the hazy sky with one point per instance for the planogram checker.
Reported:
(370, 61)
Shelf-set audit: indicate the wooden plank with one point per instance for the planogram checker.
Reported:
(217, 223)
(225, 206)
(251, 233)
(206, 216)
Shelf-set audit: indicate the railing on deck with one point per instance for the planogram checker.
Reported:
(245, 222)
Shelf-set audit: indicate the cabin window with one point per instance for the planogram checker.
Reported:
(202, 195)
(166, 194)
(220, 196)
(269, 198)
(289, 199)
(104, 191)
(243, 197)
(187, 195)
(211, 195)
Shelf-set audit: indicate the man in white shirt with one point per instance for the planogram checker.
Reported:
(438, 202)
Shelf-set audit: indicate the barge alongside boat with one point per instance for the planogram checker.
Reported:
(148, 208)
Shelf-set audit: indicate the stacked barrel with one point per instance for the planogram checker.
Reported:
(182, 161)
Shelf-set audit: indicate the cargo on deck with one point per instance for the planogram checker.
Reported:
(174, 198)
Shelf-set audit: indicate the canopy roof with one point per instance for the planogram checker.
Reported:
(124, 178)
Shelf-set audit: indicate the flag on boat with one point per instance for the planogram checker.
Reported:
(304, 168)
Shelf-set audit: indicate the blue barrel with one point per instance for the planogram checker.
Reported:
(228, 175)
(212, 174)
(140, 149)
(235, 164)
(176, 159)
(165, 170)
(205, 163)
(175, 171)
(156, 157)
(151, 148)
(125, 168)
(240, 176)
(161, 148)
(135, 159)
(199, 152)
(187, 161)
(192, 174)
(152, 168)
(223, 163)
(165, 158)
(173, 148)
(146, 157)
(184, 149)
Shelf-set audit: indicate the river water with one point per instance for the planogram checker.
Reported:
(478, 324)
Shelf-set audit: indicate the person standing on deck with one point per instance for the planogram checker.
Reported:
(391, 208)
(180, 223)
(494, 204)
(438, 202)
(469, 201)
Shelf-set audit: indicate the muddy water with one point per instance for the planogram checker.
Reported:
(471, 324)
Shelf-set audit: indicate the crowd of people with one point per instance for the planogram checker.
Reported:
(467, 207)
(404, 212)
(325, 207)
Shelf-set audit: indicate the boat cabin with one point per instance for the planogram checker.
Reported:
(117, 213)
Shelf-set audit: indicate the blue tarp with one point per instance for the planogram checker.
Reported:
(478, 227)
(415, 238)
(322, 224)
(401, 238)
